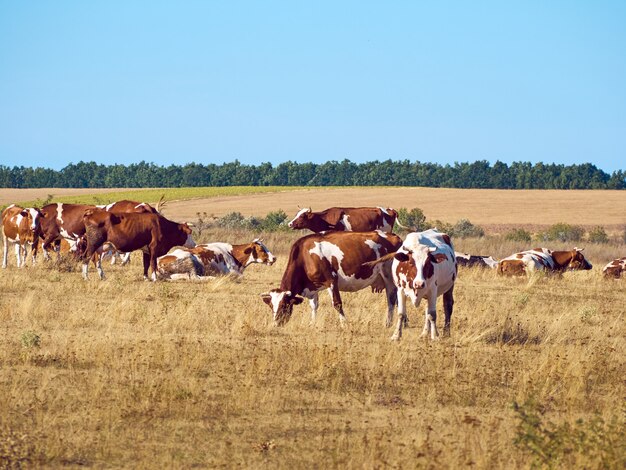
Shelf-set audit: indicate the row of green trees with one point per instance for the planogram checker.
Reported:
(479, 174)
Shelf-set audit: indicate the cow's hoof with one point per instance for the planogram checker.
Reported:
(395, 338)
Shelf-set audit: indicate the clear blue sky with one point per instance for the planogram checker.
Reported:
(209, 81)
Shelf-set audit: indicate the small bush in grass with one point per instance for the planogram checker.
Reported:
(30, 340)
(442, 226)
(563, 233)
(465, 229)
(272, 222)
(518, 235)
(275, 221)
(598, 235)
(413, 218)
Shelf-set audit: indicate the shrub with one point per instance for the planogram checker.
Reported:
(30, 340)
(465, 229)
(442, 226)
(274, 221)
(563, 232)
(414, 219)
(518, 235)
(598, 235)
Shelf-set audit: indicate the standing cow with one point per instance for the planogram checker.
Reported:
(333, 261)
(21, 227)
(424, 268)
(213, 259)
(152, 233)
(543, 259)
(349, 219)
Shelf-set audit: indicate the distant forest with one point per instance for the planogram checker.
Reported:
(479, 174)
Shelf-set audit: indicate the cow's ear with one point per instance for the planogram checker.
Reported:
(439, 257)
(401, 256)
(24, 213)
(297, 300)
(248, 250)
(266, 298)
(333, 221)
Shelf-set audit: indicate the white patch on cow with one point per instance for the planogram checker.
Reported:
(276, 298)
(534, 260)
(60, 212)
(34, 215)
(300, 212)
(271, 259)
(384, 211)
(462, 255)
(489, 261)
(374, 246)
(346, 222)
(381, 233)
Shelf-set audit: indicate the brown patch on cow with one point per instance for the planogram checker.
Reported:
(519, 256)
(510, 267)
(429, 268)
(446, 238)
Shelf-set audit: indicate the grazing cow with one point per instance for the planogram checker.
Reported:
(62, 221)
(152, 233)
(543, 259)
(465, 259)
(213, 259)
(615, 269)
(425, 268)
(333, 261)
(348, 219)
(21, 227)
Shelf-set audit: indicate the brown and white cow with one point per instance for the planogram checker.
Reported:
(211, 259)
(615, 269)
(469, 261)
(20, 226)
(333, 261)
(425, 268)
(349, 219)
(543, 259)
(152, 233)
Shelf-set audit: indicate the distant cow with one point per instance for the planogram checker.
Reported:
(424, 268)
(467, 260)
(213, 259)
(152, 233)
(21, 227)
(543, 259)
(349, 219)
(615, 269)
(333, 261)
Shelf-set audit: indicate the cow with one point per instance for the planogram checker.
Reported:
(615, 269)
(349, 219)
(543, 259)
(424, 267)
(21, 227)
(152, 233)
(467, 260)
(210, 259)
(334, 261)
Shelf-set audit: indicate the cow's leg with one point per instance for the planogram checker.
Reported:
(18, 254)
(448, 304)
(125, 258)
(314, 302)
(33, 252)
(431, 316)
(146, 265)
(24, 254)
(337, 302)
(401, 314)
(97, 261)
(153, 265)
(5, 250)
(426, 330)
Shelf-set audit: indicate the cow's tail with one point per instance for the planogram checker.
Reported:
(382, 259)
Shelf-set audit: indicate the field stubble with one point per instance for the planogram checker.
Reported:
(124, 372)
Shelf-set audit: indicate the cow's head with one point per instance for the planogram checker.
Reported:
(302, 219)
(281, 302)
(578, 260)
(415, 267)
(186, 229)
(258, 253)
(34, 216)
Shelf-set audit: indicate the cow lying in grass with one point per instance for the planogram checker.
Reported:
(543, 259)
(204, 261)
(469, 261)
(615, 269)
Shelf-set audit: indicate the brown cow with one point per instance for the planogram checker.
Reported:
(152, 233)
(540, 259)
(333, 261)
(21, 227)
(213, 259)
(348, 219)
(615, 269)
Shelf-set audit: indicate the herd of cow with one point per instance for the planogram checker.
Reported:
(350, 249)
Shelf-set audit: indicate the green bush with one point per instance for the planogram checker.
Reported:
(518, 235)
(563, 232)
(583, 444)
(414, 219)
(273, 222)
(30, 340)
(598, 235)
(465, 229)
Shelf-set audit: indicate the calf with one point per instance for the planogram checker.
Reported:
(349, 219)
(615, 269)
(21, 227)
(152, 233)
(333, 261)
(543, 259)
(425, 268)
(211, 259)
(465, 259)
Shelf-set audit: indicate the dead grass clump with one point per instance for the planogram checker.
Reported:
(18, 449)
(511, 332)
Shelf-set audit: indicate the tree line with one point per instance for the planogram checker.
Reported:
(479, 174)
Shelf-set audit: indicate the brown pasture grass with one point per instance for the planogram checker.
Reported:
(127, 373)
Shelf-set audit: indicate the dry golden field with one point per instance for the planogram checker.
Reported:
(133, 374)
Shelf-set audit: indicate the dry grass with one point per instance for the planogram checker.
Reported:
(155, 375)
